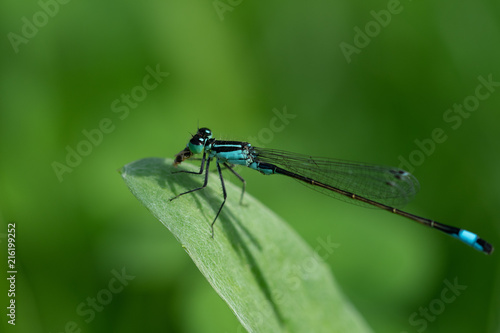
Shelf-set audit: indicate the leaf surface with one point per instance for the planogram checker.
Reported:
(270, 278)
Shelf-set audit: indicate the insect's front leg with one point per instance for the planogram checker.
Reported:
(197, 173)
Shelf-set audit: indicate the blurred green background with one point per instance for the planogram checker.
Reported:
(67, 69)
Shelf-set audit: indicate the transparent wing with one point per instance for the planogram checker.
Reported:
(388, 185)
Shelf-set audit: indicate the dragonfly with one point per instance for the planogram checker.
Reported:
(370, 185)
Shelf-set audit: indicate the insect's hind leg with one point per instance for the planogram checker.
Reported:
(230, 167)
(224, 195)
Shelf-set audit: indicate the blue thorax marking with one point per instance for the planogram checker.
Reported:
(233, 152)
(239, 153)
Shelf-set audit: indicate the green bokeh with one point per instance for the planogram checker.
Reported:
(232, 72)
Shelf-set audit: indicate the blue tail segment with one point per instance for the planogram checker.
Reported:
(473, 240)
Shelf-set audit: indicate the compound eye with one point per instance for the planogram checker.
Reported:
(205, 132)
(197, 141)
(196, 144)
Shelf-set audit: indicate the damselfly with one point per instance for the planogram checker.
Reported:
(384, 187)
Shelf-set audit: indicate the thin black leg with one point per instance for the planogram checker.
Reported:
(198, 173)
(223, 193)
(230, 167)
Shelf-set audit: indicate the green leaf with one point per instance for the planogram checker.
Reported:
(270, 278)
